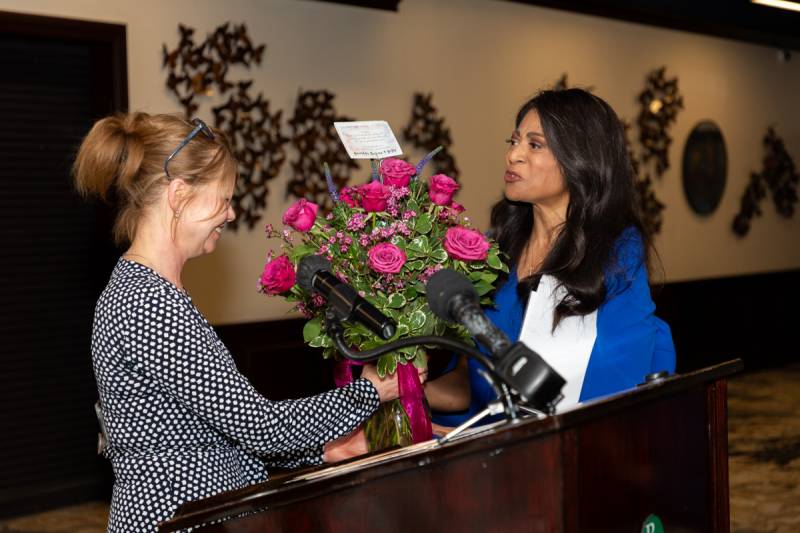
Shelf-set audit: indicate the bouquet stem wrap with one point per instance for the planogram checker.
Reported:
(411, 395)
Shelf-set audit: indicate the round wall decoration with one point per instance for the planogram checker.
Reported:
(705, 168)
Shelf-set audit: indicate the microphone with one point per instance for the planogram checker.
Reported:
(314, 275)
(452, 297)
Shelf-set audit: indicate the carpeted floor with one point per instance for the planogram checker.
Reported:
(764, 450)
(764, 445)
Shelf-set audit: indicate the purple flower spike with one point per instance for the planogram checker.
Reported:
(376, 173)
(424, 161)
(331, 185)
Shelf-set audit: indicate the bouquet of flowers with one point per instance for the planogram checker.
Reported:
(385, 238)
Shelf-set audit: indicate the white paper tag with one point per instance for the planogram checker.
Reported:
(370, 139)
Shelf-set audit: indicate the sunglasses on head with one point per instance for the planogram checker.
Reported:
(199, 127)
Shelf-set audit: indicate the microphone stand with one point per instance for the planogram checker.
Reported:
(505, 402)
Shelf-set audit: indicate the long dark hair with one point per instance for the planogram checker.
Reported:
(588, 141)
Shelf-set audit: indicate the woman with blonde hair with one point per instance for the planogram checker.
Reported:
(182, 422)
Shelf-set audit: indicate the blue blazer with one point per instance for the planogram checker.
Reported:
(631, 341)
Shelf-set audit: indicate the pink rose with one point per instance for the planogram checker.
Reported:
(466, 244)
(396, 172)
(441, 189)
(278, 276)
(386, 258)
(346, 196)
(374, 196)
(301, 215)
(456, 207)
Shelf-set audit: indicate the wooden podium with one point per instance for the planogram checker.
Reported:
(660, 449)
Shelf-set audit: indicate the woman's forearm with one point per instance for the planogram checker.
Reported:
(451, 391)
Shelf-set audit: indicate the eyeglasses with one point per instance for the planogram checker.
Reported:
(199, 127)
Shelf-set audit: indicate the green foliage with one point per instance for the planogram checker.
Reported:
(346, 236)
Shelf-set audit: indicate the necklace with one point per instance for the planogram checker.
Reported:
(529, 260)
(146, 261)
(149, 264)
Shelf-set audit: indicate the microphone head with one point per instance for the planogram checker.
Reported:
(443, 287)
(309, 267)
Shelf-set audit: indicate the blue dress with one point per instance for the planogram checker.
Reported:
(631, 341)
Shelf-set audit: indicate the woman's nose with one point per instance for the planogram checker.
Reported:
(231, 213)
(514, 153)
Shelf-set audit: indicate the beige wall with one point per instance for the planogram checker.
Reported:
(481, 59)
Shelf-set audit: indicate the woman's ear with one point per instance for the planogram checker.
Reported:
(177, 192)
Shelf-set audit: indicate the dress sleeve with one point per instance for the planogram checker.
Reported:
(631, 341)
(170, 343)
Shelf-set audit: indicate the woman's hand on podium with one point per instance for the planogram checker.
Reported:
(440, 431)
(387, 387)
(351, 445)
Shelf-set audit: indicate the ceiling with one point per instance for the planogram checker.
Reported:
(734, 19)
(388, 5)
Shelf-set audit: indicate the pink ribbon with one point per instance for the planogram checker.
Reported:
(411, 395)
(343, 372)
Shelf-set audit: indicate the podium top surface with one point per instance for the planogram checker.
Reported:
(308, 483)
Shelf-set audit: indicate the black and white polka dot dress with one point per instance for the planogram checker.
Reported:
(183, 423)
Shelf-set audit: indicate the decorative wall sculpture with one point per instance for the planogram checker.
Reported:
(200, 71)
(778, 175)
(316, 142)
(426, 131)
(705, 167)
(195, 70)
(259, 147)
(660, 102)
(649, 205)
(561, 83)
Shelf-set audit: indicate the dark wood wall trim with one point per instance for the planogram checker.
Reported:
(752, 317)
(274, 357)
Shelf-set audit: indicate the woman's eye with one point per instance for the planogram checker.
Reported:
(511, 142)
(536, 146)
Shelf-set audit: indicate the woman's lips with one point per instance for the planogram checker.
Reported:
(511, 177)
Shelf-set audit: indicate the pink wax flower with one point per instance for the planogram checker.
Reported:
(346, 196)
(386, 258)
(356, 222)
(278, 276)
(396, 172)
(441, 189)
(301, 215)
(466, 244)
(374, 196)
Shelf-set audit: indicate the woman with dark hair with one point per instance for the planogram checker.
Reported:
(578, 292)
